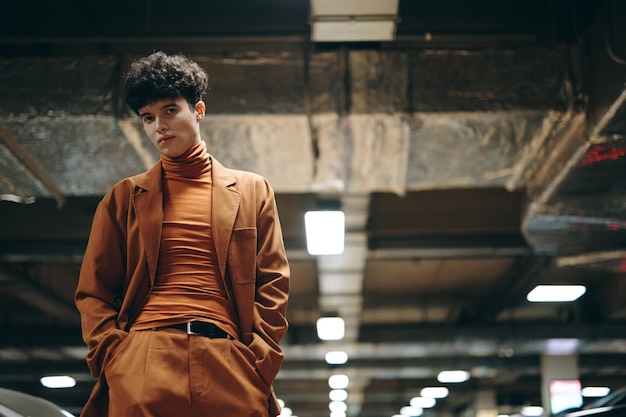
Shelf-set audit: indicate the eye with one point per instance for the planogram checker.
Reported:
(147, 119)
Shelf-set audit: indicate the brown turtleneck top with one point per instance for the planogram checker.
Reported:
(188, 284)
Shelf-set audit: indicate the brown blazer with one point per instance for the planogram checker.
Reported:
(119, 268)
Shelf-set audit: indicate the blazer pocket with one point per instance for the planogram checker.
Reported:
(242, 256)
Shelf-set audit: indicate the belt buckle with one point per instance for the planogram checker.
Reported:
(189, 331)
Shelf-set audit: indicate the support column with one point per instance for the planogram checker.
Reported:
(560, 368)
(485, 403)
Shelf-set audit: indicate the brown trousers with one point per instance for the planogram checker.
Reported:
(167, 373)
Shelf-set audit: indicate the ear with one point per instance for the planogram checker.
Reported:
(200, 109)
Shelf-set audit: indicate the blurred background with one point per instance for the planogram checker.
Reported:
(474, 151)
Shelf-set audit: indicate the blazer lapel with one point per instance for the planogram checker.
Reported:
(148, 202)
(225, 206)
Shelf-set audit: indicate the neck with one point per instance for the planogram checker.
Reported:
(192, 163)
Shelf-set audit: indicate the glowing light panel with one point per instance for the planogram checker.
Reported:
(555, 293)
(325, 231)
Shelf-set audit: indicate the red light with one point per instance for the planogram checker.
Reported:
(602, 153)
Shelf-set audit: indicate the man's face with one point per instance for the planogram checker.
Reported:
(172, 125)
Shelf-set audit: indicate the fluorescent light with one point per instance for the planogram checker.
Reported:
(353, 7)
(353, 20)
(562, 346)
(411, 411)
(67, 413)
(285, 412)
(423, 402)
(325, 231)
(330, 328)
(595, 391)
(434, 392)
(453, 376)
(338, 381)
(60, 381)
(555, 293)
(17, 199)
(353, 30)
(337, 407)
(337, 414)
(336, 358)
(338, 395)
(532, 411)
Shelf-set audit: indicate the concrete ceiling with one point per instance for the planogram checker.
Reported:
(477, 155)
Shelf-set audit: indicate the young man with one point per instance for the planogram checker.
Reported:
(183, 287)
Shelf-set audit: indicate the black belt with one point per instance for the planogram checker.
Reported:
(200, 328)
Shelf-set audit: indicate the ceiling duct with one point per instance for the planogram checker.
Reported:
(353, 20)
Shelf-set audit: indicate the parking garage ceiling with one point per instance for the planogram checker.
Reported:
(476, 155)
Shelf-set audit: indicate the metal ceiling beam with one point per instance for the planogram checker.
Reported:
(508, 291)
(524, 364)
(601, 123)
(527, 365)
(31, 164)
(73, 252)
(42, 252)
(38, 297)
(497, 331)
(372, 337)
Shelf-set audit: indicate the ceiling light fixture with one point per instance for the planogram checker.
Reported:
(353, 20)
(325, 232)
(410, 411)
(17, 199)
(338, 395)
(555, 293)
(338, 381)
(337, 407)
(562, 346)
(532, 411)
(58, 381)
(453, 377)
(336, 357)
(595, 391)
(330, 328)
(435, 392)
(423, 402)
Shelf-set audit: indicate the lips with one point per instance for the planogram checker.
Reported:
(164, 139)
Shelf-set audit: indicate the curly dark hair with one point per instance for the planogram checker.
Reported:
(160, 76)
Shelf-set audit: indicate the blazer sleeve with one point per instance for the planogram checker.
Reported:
(272, 290)
(98, 295)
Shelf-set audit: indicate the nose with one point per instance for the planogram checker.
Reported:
(161, 125)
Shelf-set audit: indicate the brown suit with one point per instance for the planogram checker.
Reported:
(119, 267)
